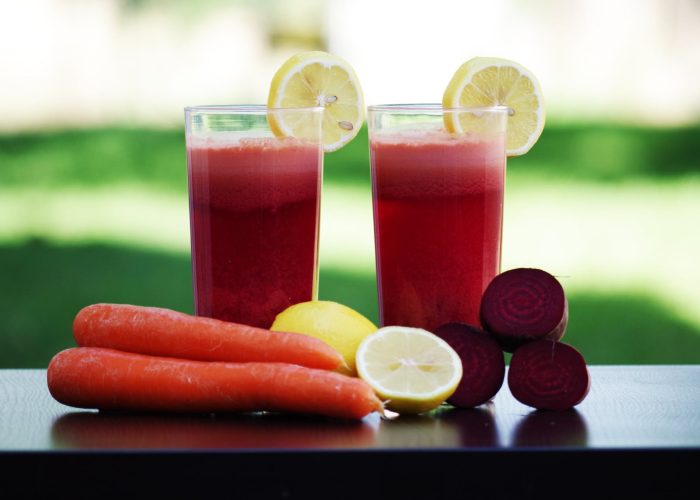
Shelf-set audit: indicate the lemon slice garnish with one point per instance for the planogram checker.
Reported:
(312, 79)
(490, 81)
(410, 368)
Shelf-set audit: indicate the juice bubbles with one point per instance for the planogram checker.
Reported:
(254, 222)
(438, 212)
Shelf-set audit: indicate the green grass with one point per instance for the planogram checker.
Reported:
(618, 202)
(46, 284)
(103, 157)
(94, 158)
(613, 153)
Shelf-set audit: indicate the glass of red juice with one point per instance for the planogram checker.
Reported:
(254, 210)
(438, 210)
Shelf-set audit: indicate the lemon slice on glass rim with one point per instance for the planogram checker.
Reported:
(318, 78)
(411, 369)
(491, 81)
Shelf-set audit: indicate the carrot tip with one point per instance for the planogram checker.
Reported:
(343, 367)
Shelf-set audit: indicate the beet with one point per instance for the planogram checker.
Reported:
(522, 305)
(548, 375)
(483, 366)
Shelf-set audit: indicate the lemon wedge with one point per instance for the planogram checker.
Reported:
(337, 325)
(312, 79)
(412, 369)
(490, 81)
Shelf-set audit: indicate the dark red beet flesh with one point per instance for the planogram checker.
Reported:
(483, 366)
(548, 375)
(522, 305)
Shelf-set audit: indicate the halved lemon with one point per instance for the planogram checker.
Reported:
(312, 79)
(412, 369)
(490, 81)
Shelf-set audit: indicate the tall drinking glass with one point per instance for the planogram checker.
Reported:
(438, 210)
(254, 210)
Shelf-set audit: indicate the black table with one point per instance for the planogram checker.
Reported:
(637, 433)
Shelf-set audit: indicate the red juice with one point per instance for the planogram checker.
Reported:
(254, 218)
(438, 211)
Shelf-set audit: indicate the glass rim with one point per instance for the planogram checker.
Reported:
(435, 107)
(251, 109)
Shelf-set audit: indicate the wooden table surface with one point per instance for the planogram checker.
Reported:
(645, 418)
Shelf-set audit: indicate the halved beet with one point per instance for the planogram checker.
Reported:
(483, 366)
(522, 305)
(548, 375)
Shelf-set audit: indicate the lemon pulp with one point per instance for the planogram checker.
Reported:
(412, 369)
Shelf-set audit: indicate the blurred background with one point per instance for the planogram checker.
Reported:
(93, 187)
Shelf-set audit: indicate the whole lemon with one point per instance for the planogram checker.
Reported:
(337, 325)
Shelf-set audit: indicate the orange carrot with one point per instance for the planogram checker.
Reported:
(94, 377)
(163, 332)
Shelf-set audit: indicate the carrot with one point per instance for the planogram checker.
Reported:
(163, 332)
(94, 377)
